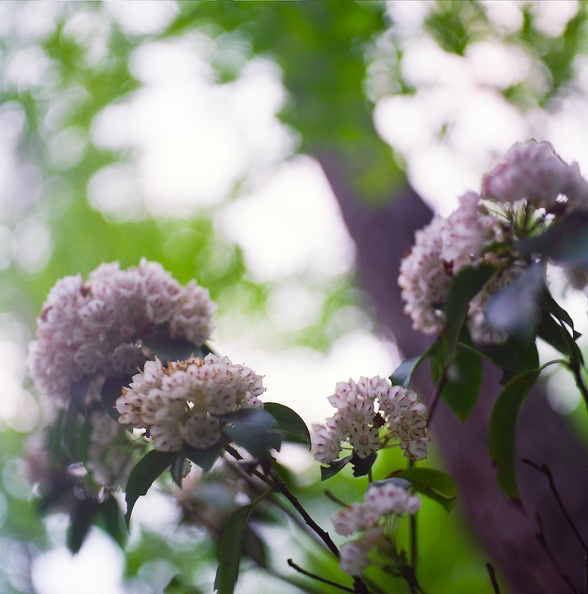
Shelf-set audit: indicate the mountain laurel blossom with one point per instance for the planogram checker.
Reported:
(92, 327)
(371, 414)
(382, 500)
(181, 403)
(530, 187)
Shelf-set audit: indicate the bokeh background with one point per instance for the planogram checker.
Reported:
(252, 145)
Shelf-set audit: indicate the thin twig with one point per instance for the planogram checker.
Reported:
(544, 469)
(493, 580)
(436, 395)
(319, 578)
(540, 536)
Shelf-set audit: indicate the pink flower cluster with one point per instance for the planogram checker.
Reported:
(92, 327)
(382, 500)
(371, 414)
(534, 171)
(533, 180)
(180, 403)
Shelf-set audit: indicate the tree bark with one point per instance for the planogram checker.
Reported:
(508, 534)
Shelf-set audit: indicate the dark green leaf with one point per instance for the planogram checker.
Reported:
(565, 242)
(513, 357)
(362, 466)
(334, 467)
(503, 420)
(80, 521)
(111, 519)
(464, 286)
(230, 550)
(166, 348)
(143, 475)
(516, 308)
(253, 429)
(177, 468)
(464, 380)
(111, 390)
(291, 425)
(431, 483)
(402, 375)
(204, 457)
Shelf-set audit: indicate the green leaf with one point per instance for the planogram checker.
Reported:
(110, 518)
(362, 466)
(177, 468)
(291, 425)
(516, 308)
(230, 550)
(80, 521)
(165, 348)
(564, 242)
(402, 375)
(334, 467)
(111, 390)
(503, 420)
(253, 429)
(143, 475)
(464, 380)
(432, 483)
(514, 356)
(464, 286)
(204, 457)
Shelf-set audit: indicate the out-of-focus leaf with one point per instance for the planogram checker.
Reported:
(204, 457)
(230, 550)
(503, 420)
(291, 425)
(464, 286)
(334, 467)
(513, 357)
(253, 429)
(432, 483)
(565, 242)
(516, 308)
(143, 475)
(80, 522)
(165, 348)
(111, 390)
(464, 380)
(111, 519)
(402, 375)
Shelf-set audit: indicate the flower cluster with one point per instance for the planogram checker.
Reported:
(535, 172)
(382, 500)
(371, 414)
(181, 403)
(527, 190)
(90, 328)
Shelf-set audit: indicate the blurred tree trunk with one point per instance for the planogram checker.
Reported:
(382, 235)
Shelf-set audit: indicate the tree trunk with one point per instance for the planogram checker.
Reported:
(508, 534)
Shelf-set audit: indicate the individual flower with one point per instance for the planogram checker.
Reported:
(183, 402)
(371, 414)
(382, 500)
(534, 171)
(96, 327)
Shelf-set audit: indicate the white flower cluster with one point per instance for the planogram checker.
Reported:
(532, 176)
(381, 501)
(534, 171)
(180, 403)
(92, 327)
(371, 414)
